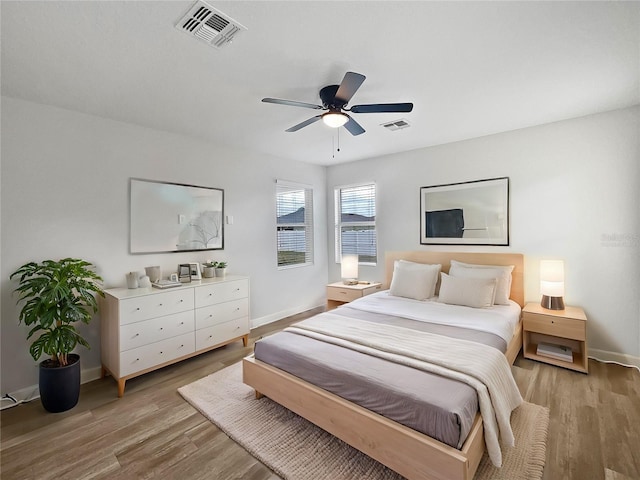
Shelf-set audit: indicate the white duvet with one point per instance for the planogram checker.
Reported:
(483, 368)
(500, 320)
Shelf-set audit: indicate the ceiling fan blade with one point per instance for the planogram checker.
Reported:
(292, 103)
(297, 127)
(382, 107)
(350, 84)
(353, 127)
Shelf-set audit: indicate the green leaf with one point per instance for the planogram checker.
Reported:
(54, 296)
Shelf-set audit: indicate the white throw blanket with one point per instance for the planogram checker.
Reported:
(482, 367)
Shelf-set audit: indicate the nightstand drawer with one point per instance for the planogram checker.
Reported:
(556, 326)
(343, 294)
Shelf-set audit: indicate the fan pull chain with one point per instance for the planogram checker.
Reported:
(333, 144)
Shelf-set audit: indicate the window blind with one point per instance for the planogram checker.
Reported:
(356, 222)
(294, 224)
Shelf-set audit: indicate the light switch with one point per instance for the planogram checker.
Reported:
(229, 219)
(181, 219)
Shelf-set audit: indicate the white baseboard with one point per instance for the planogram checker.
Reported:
(32, 392)
(258, 322)
(615, 357)
(23, 395)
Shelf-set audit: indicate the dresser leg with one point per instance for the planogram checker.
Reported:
(245, 340)
(121, 383)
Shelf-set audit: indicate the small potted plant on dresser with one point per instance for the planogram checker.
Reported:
(221, 269)
(56, 295)
(209, 269)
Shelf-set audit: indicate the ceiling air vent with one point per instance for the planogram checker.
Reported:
(396, 125)
(209, 25)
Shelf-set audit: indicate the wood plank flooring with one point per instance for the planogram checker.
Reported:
(153, 433)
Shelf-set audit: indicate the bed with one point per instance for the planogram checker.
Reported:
(405, 449)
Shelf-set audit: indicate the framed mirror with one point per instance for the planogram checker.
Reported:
(468, 213)
(173, 217)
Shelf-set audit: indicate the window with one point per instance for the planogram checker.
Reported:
(356, 222)
(294, 224)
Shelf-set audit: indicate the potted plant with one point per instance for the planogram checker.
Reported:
(221, 269)
(209, 269)
(56, 295)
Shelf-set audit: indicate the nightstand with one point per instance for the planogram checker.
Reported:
(339, 293)
(566, 328)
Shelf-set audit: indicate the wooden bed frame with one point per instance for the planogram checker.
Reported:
(406, 451)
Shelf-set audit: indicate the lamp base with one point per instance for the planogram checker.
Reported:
(350, 281)
(552, 303)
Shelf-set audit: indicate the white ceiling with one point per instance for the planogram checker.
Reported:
(470, 68)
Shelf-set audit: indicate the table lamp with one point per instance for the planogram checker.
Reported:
(349, 269)
(552, 284)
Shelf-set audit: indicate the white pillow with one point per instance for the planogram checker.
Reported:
(414, 280)
(470, 292)
(502, 273)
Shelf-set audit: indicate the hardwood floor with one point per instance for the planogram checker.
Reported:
(153, 433)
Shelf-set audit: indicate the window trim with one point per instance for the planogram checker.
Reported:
(308, 224)
(338, 224)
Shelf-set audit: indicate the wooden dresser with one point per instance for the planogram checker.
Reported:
(147, 328)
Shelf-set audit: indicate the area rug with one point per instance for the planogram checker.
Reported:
(295, 449)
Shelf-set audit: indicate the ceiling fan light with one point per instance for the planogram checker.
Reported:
(335, 119)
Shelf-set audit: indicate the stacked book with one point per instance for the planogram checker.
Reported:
(166, 284)
(559, 352)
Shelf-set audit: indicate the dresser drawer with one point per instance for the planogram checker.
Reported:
(221, 292)
(211, 336)
(156, 305)
(154, 354)
(343, 294)
(221, 312)
(137, 334)
(557, 326)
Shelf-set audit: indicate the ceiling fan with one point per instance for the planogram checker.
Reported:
(334, 100)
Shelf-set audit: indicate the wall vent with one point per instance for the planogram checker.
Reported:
(396, 125)
(209, 25)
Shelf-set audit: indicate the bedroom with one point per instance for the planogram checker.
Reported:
(574, 178)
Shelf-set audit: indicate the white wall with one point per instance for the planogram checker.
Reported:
(574, 195)
(65, 193)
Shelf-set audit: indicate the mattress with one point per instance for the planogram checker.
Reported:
(441, 408)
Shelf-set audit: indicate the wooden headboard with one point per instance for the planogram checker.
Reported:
(444, 259)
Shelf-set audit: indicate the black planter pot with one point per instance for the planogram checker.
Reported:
(60, 386)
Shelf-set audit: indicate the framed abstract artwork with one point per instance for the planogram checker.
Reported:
(467, 213)
(174, 217)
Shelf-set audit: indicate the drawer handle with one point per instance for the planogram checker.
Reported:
(136, 335)
(160, 304)
(137, 359)
(237, 308)
(210, 336)
(161, 353)
(181, 300)
(181, 323)
(161, 328)
(182, 345)
(211, 294)
(210, 315)
(138, 309)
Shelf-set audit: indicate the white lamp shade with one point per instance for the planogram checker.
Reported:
(334, 119)
(349, 267)
(552, 278)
